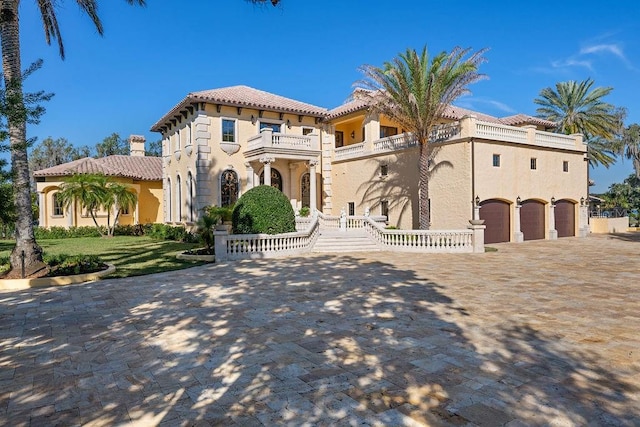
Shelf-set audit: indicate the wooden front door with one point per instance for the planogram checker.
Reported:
(496, 218)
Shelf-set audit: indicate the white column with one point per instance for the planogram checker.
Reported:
(583, 220)
(553, 233)
(517, 235)
(69, 214)
(42, 214)
(249, 175)
(266, 161)
(313, 196)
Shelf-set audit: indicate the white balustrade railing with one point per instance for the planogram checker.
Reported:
(395, 142)
(282, 140)
(499, 132)
(252, 246)
(291, 141)
(303, 222)
(254, 142)
(349, 151)
(554, 140)
(425, 241)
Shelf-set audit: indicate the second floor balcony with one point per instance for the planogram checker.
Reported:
(464, 129)
(283, 145)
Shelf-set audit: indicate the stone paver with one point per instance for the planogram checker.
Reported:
(539, 333)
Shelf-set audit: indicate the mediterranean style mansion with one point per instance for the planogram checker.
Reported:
(527, 182)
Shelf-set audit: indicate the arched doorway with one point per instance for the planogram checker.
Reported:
(305, 189)
(229, 188)
(276, 179)
(495, 214)
(565, 218)
(532, 220)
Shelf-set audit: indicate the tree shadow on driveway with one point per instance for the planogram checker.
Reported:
(315, 340)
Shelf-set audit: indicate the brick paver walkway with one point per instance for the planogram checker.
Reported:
(540, 333)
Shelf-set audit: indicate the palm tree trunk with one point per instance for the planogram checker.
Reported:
(423, 186)
(16, 121)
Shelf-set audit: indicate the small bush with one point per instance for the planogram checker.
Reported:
(5, 264)
(169, 232)
(65, 265)
(65, 233)
(305, 211)
(263, 209)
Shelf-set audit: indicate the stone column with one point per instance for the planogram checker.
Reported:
(313, 196)
(583, 220)
(249, 175)
(42, 214)
(517, 235)
(266, 161)
(69, 214)
(478, 235)
(553, 233)
(220, 245)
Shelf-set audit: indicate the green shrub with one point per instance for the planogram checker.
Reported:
(305, 211)
(170, 232)
(65, 233)
(65, 265)
(5, 264)
(263, 209)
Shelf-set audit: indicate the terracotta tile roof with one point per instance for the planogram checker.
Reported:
(347, 108)
(524, 119)
(456, 113)
(244, 96)
(135, 167)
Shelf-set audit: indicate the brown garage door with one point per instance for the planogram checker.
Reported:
(496, 217)
(565, 218)
(532, 220)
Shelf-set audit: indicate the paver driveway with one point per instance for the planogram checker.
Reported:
(540, 333)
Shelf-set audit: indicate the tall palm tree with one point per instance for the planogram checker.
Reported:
(26, 245)
(629, 145)
(577, 107)
(414, 90)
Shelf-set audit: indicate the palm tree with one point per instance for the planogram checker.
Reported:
(26, 245)
(414, 91)
(118, 197)
(88, 190)
(577, 108)
(629, 145)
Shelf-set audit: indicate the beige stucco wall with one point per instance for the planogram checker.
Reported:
(609, 225)
(205, 159)
(149, 205)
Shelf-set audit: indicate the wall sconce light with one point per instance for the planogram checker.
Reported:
(518, 201)
(253, 119)
(581, 201)
(477, 200)
(553, 201)
(288, 124)
(353, 134)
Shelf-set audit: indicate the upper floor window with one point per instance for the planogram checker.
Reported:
(384, 208)
(565, 166)
(388, 131)
(534, 163)
(307, 131)
(384, 170)
(496, 160)
(276, 127)
(228, 130)
(339, 138)
(178, 142)
(352, 208)
(58, 207)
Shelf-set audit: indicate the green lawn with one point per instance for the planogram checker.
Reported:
(132, 256)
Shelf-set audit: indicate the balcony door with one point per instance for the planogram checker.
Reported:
(276, 127)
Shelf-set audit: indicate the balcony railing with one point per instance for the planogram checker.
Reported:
(269, 139)
(468, 127)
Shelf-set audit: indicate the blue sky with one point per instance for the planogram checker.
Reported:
(151, 57)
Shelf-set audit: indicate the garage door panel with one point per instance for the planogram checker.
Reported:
(532, 220)
(495, 214)
(565, 218)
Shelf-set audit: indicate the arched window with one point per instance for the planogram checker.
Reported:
(178, 199)
(229, 187)
(169, 201)
(190, 206)
(305, 189)
(58, 207)
(276, 179)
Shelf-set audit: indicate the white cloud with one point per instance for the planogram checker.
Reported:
(472, 104)
(587, 58)
(606, 48)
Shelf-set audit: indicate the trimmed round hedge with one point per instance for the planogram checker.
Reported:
(263, 209)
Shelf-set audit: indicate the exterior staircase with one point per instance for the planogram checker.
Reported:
(351, 240)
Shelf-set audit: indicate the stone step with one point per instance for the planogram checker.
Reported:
(349, 241)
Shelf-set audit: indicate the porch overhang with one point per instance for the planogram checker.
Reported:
(281, 153)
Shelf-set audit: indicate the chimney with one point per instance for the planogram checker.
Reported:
(136, 145)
